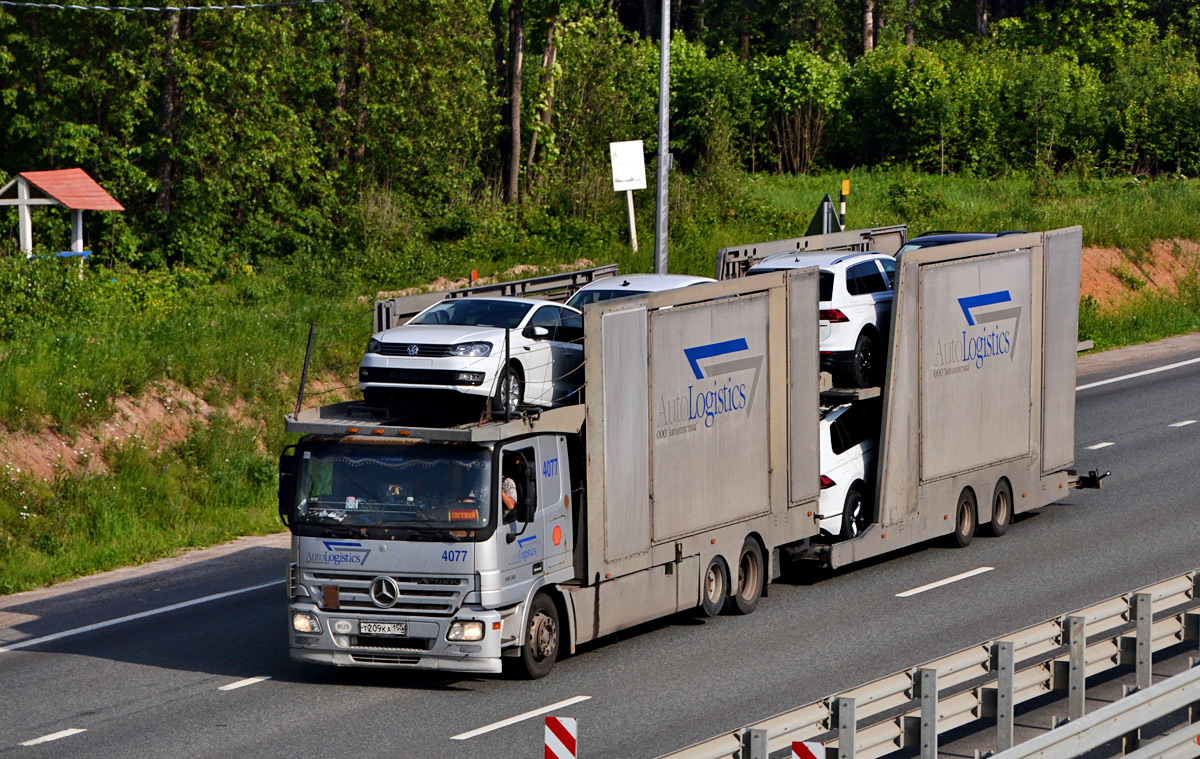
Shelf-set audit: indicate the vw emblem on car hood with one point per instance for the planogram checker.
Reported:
(412, 350)
(384, 592)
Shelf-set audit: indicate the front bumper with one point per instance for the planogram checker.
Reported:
(473, 376)
(425, 648)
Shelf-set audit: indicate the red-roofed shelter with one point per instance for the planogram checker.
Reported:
(69, 188)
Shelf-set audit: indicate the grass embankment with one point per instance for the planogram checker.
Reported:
(69, 348)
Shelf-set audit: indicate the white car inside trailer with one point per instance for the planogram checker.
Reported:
(517, 351)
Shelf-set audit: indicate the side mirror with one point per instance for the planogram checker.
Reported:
(288, 467)
(536, 333)
(528, 504)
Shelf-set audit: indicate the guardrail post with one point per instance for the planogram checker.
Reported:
(1142, 609)
(847, 728)
(1076, 634)
(928, 692)
(1004, 654)
(754, 744)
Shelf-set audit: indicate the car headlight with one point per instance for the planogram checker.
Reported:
(374, 346)
(465, 631)
(475, 350)
(303, 622)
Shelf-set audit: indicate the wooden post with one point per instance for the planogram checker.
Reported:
(24, 222)
(76, 230)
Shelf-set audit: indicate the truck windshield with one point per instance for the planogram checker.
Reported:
(441, 491)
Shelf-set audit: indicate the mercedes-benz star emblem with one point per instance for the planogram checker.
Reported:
(412, 350)
(384, 592)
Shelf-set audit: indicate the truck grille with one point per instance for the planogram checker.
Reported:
(381, 658)
(419, 594)
(424, 350)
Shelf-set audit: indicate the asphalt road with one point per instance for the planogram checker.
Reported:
(152, 686)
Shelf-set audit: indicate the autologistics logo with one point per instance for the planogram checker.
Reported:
(339, 552)
(715, 391)
(985, 337)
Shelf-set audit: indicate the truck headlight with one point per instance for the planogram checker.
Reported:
(472, 630)
(374, 346)
(303, 622)
(473, 350)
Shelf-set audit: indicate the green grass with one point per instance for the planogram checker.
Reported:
(69, 347)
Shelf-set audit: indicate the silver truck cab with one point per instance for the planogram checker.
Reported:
(404, 555)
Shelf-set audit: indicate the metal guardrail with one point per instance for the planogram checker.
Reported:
(1122, 720)
(392, 312)
(911, 708)
(732, 262)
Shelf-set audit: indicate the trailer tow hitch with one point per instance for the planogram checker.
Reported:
(1090, 480)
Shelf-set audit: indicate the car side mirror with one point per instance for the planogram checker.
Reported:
(288, 468)
(536, 333)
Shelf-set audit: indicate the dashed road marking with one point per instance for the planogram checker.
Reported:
(946, 581)
(518, 718)
(55, 736)
(1098, 446)
(244, 683)
(1184, 423)
(1138, 374)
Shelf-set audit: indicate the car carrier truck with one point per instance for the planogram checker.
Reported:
(690, 471)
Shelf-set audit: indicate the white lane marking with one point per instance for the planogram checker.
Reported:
(1138, 374)
(947, 581)
(518, 718)
(55, 736)
(244, 683)
(131, 617)
(1184, 423)
(1098, 446)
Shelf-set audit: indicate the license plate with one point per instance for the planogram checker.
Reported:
(383, 628)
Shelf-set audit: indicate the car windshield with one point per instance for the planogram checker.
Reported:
(584, 297)
(475, 312)
(417, 487)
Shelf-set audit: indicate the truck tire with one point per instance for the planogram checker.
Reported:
(750, 579)
(854, 512)
(1002, 509)
(714, 587)
(863, 371)
(966, 517)
(540, 648)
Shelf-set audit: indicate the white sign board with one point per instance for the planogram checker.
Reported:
(628, 165)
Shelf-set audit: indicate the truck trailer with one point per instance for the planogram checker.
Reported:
(690, 471)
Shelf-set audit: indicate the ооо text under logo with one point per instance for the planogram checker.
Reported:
(716, 390)
(985, 337)
(339, 553)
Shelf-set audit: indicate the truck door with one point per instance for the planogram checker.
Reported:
(554, 486)
(535, 470)
(518, 487)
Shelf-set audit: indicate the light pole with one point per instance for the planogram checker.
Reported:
(664, 140)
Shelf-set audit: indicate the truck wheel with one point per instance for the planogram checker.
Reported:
(965, 518)
(1002, 509)
(714, 588)
(540, 649)
(750, 579)
(854, 513)
(863, 371)
(509, 391)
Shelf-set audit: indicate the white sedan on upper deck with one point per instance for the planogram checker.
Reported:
(458, 345)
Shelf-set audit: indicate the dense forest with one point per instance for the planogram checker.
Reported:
(284, 134)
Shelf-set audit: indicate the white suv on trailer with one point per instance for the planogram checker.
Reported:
(856, 308)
